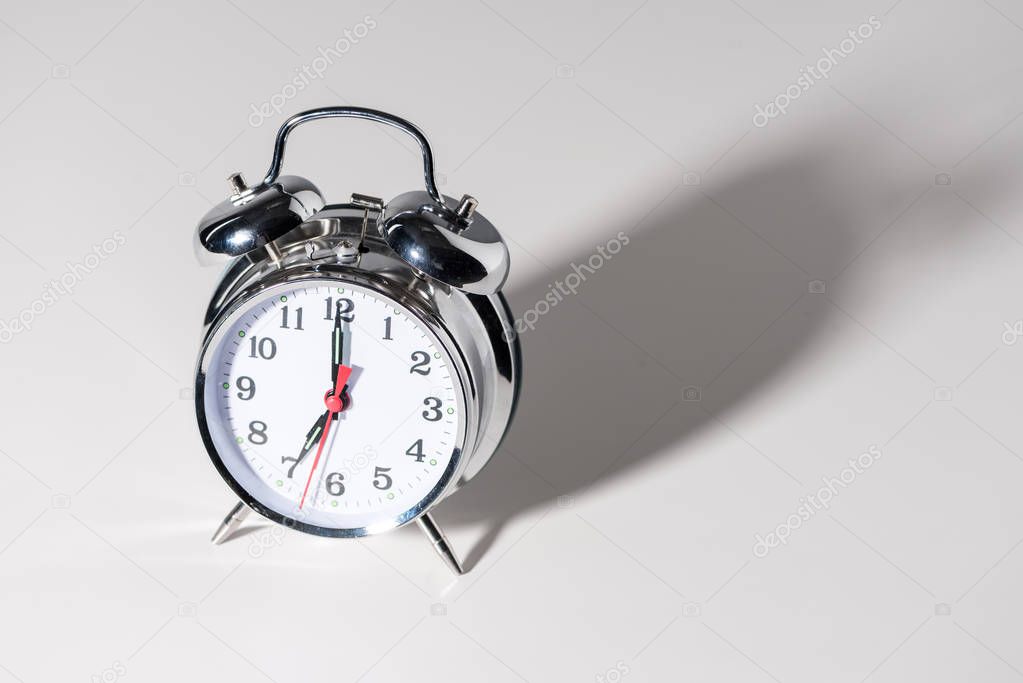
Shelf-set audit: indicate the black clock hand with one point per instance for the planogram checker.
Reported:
(337, 345)
(340, 341)
(310, 441)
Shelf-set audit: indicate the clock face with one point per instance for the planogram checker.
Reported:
(333, 406)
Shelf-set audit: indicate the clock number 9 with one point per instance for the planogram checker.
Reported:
(433, 404)
(246, 388)
(335, 483)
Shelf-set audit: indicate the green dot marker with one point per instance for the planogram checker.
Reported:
(280, 483)
(340, 290)
(284, 298)
(226, 385)
(238, 439)
(436, 355)
(333, 503)
(451, 411)
(390, 496)
(432, 461)
(241, 333)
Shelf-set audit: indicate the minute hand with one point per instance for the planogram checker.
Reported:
(337, 346)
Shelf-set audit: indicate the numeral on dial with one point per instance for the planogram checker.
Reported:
(335, 483)
(432, 412)
(246, 388)
(265, 348)
(294, 463)
(345, 308)
(416, 450)
(257, 432)
(298, 319)
(387, 328)
(381, 479)
(421, 364)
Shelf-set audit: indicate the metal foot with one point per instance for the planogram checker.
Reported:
(440, 543)
(233, 520)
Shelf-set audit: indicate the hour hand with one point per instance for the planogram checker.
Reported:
(307, 445)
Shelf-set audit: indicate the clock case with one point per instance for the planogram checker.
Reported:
(432, 254)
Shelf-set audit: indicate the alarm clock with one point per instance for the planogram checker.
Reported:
(359, 362)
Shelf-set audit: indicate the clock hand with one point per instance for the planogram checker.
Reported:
(337, 342)
(334, 406)
(341, 340)
(310, 439)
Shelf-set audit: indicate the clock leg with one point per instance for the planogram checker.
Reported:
(233, 520)
(440, 543)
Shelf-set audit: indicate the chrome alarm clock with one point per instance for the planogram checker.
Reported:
(358, 362)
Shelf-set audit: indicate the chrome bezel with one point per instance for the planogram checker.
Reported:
(465, 389)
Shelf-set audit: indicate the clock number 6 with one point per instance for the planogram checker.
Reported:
(335, 483)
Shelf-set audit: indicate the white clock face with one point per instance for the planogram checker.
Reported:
(358, 460)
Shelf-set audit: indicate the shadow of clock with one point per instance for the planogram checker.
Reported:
(712, 299)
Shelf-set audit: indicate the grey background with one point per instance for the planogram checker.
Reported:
(846, 276)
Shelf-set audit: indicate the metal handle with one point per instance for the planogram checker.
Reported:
(353, 113)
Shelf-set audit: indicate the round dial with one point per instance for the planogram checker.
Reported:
(333, 406)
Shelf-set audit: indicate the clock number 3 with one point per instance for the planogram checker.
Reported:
(432, 413)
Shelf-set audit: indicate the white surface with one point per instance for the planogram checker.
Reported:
(613, 538)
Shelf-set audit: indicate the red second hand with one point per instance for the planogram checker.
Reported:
(334, 405)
